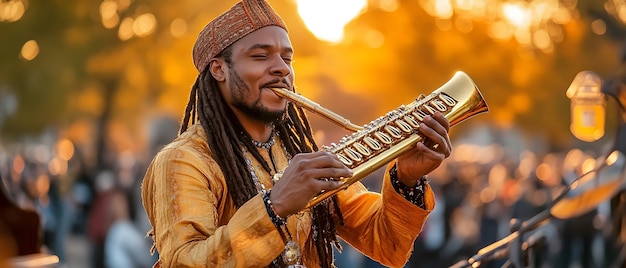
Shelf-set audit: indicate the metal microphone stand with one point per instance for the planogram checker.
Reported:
(615, 87)
(510, 246)
(518, 249)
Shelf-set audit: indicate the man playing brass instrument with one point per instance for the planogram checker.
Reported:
(215, 196)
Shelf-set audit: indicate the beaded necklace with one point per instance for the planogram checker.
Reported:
(291, 254)
(264, 145)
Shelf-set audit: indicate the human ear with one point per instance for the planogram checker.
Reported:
(216, 67)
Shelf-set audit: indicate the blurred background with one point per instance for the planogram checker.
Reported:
(91, 90)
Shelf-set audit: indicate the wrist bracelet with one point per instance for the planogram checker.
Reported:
(413, 194)
(276, 219)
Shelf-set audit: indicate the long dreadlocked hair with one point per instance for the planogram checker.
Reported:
(225, 136)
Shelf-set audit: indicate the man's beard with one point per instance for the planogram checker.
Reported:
(254, 110)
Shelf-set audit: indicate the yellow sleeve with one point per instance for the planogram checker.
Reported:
(182, 193)
(383, 225)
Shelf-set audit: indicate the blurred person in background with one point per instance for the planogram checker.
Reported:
(99, 219)
(124, 246)
(82, 191)
(41, 192)
(211, 196)
(20, 230)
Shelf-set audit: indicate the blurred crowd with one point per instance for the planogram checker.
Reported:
(480, 190)
(484, 193)
(104, 207)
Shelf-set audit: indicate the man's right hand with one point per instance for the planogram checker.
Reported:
(306, 176)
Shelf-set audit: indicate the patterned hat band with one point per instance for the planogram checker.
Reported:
(240, 20)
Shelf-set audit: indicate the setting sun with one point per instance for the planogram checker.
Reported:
(326, 18)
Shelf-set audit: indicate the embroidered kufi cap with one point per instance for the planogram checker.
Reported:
(240, 20)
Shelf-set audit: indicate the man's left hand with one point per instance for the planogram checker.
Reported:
(427, 154)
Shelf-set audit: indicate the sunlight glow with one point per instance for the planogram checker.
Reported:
(517, 14)
(327, 18)
(535, 24)
(500, 31)
(374, 39)
(443, 9)
(388, 5)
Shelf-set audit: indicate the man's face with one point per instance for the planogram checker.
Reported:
(260, 61)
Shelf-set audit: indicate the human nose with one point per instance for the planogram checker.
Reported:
(280, 67)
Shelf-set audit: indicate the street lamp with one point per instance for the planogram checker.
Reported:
(588, 106)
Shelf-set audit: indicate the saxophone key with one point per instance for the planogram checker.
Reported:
(412, 121)
(372, 143)
(384, 138)
(404, 126)
(439, 105)
(393, 131)
(419, 115)
(353, 154)
(362, 149)
(448, 100)
(344, 159)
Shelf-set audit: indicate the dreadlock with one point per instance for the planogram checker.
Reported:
(225, 136)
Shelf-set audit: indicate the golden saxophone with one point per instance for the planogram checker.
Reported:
(375, 144)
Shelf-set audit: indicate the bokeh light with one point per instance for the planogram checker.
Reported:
(65, 149)
(30, 50)
(11, 11)
(178, 27)
(144, 25)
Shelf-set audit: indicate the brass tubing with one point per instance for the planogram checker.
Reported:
(316, 108)
(458, 99)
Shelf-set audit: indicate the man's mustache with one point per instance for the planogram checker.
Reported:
(276, 81)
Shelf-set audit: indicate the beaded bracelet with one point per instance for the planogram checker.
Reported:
(276, 219)
(413, 194)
